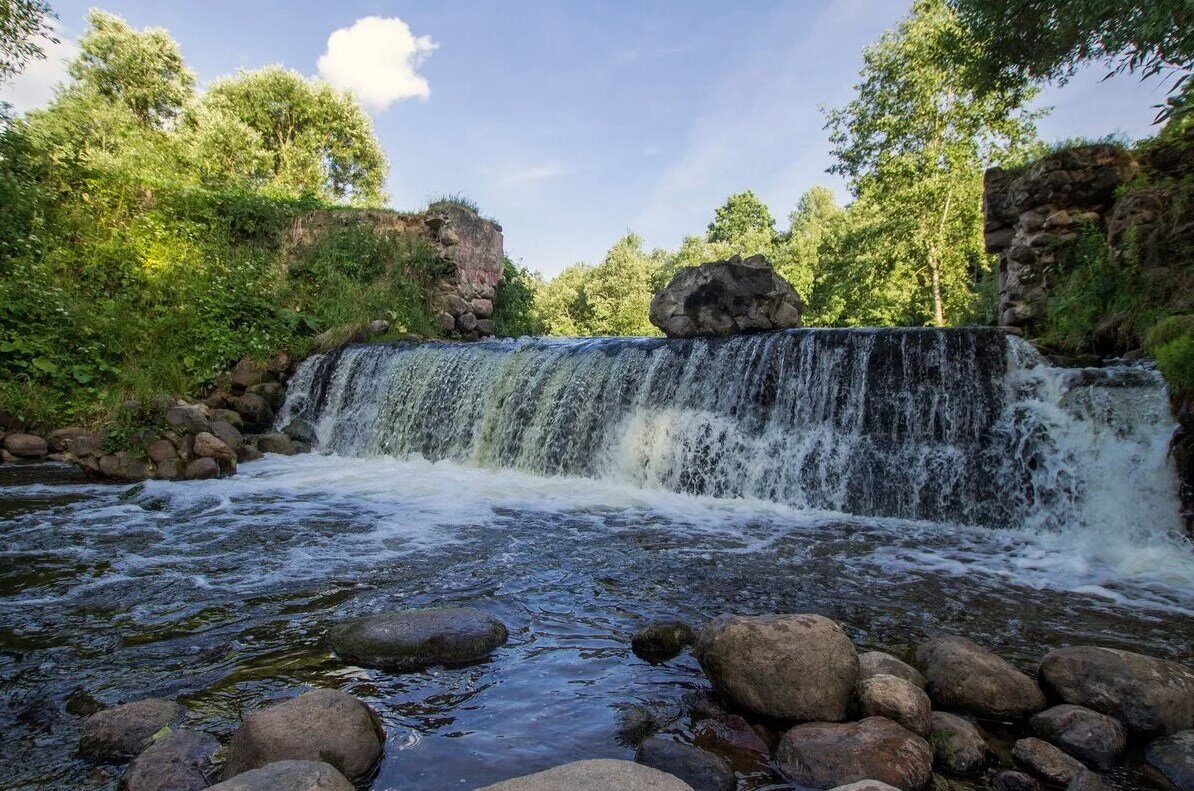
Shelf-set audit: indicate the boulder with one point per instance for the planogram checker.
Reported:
(724, 298)
(320, 725)
(415, 639)
(866, 785)
(1173, 756)
(602, 774)
(966, 677)
(161, 450)
(660, 641)
(202, 470)
(276, 442)
(1090, 737)
(228, 434)
(190, 418)
(26, 446)
(1046, 761)
(226, 415)
(1014, 781)
(897, 700)
(797, 668)
(124, 465)
(958, 746)
(486, 327)
(703, 771)
(872, 663)
(1088, 781)
(249, 372)
(288, 776)
(1148, 695)
(181, 761)
(300, 430)
(732, 736)
(123, 731)
(209, 446)
(826, 755)
(274, 393)
(171, 470)
(61, 440)
(254, 410)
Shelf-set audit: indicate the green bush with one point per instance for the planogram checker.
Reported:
(513, 303)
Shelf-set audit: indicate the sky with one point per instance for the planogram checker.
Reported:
(572, 122)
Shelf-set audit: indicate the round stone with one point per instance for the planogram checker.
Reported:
(415, 639)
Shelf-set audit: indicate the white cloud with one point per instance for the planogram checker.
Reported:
(34, 87)
(378, 60)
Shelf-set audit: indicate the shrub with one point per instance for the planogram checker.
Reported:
(514, 302)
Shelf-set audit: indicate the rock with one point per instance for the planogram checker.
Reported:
(273, 393)
(797, 668)
(866, 785)
(124, 465)
(1087, 781)
(248, 453)
(201, 470)
(1148, 695)
(415, 639)
(26, 446)
(958, 746)
(123, 731)
(873, 663)
(482, 308)
(724, 298)
(276, 442)
(182, 761)
(209, 446)
(300, 430)
(288, 776)
(964, 676)
(228, 434)
(323, 724)
(248, 372)
(254, 410)
(226, 415)
(171, 470)
(445, 321)
(701, 770)
(1014, 781)
(61, 440)
(897, 700)
(603, 774)
(658, 642)
(1085, 734)
(732, 736)
(187, 417)
(466, 322)
(161, 450)
(486, 327)
(1173, 756)
(1046, 761)
(826, 755)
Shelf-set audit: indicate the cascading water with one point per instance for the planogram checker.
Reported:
(963, 425)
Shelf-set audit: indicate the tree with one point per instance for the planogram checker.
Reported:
(24, 24)
(560, 305)
(143, 69)
(514, 302)
(1046, 39)
(619, 289)
(797, 256)
(319, 141)
(913, 145)
(743, 221)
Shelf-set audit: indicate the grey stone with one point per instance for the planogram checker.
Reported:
(209, 446)
(249, 372)
(958, 746)
(229, 434)
(254, 410)
(662, 640)
(966, 677)
(181, 761)
(1087, 735)
(702, 770)
(202, 470)
(1014, 781)
(26, 446)
(1173, 756)
(276, 442)
(187, 417)
(724, 298)
(826, 755)
(897, 700)
(415, 639)
(123, 731)
(300, 430)
(602, 774)
(1046, 761)
(288, 776)
(873, 663)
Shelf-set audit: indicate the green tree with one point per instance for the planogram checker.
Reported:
(143, 69)
(619, 289)
(514, 302)
(1044, 39)
(319, 141)
(796, 257)
(913, 145)
(24, 25)
(560, 305)
(745, 222)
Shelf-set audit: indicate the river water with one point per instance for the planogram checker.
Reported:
(217, 593)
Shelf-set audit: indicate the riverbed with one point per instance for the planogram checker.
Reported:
(217, 593)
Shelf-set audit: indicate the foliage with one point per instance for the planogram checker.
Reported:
(1171, 342)
(24, 25)
(514, 301)
(1042, 39)
(1093, 285)
(743, 220)
(454, 199)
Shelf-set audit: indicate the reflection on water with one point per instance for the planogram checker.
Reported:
(217, 593)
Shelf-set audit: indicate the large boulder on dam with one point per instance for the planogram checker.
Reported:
(796, 668)
(415, 639)
(726, 298)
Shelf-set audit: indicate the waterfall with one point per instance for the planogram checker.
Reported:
(962, 425)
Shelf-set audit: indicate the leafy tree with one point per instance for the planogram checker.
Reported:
(743, 221)
(319, 141)
(796, 257)
(23, 25)
(1043, 39)
(913, 144)
(513, 304)
(618, 290)
(143, 69)
(560, 305)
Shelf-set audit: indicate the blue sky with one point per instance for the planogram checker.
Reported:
(571, 122)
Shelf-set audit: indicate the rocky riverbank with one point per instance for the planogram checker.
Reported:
(791, 696)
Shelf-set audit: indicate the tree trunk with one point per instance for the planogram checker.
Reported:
(935, 262)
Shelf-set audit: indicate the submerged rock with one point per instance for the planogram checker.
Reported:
(873, 663)
(896, 699)
(288, 776)
(702, 770)
(415, 639)
(733, 737)
(724, 298)
(182, 761)
(123, 731)
(1046, 761)
(320, 725)
(798, 668)
(660, 641)
(1085, 734)
(1146, 694)
(966, 677)
(602, 774)
(1173, 756)
(958, 746)
(1014, 781)
(825, 755)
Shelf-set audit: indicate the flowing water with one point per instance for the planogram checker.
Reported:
(906, 483)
